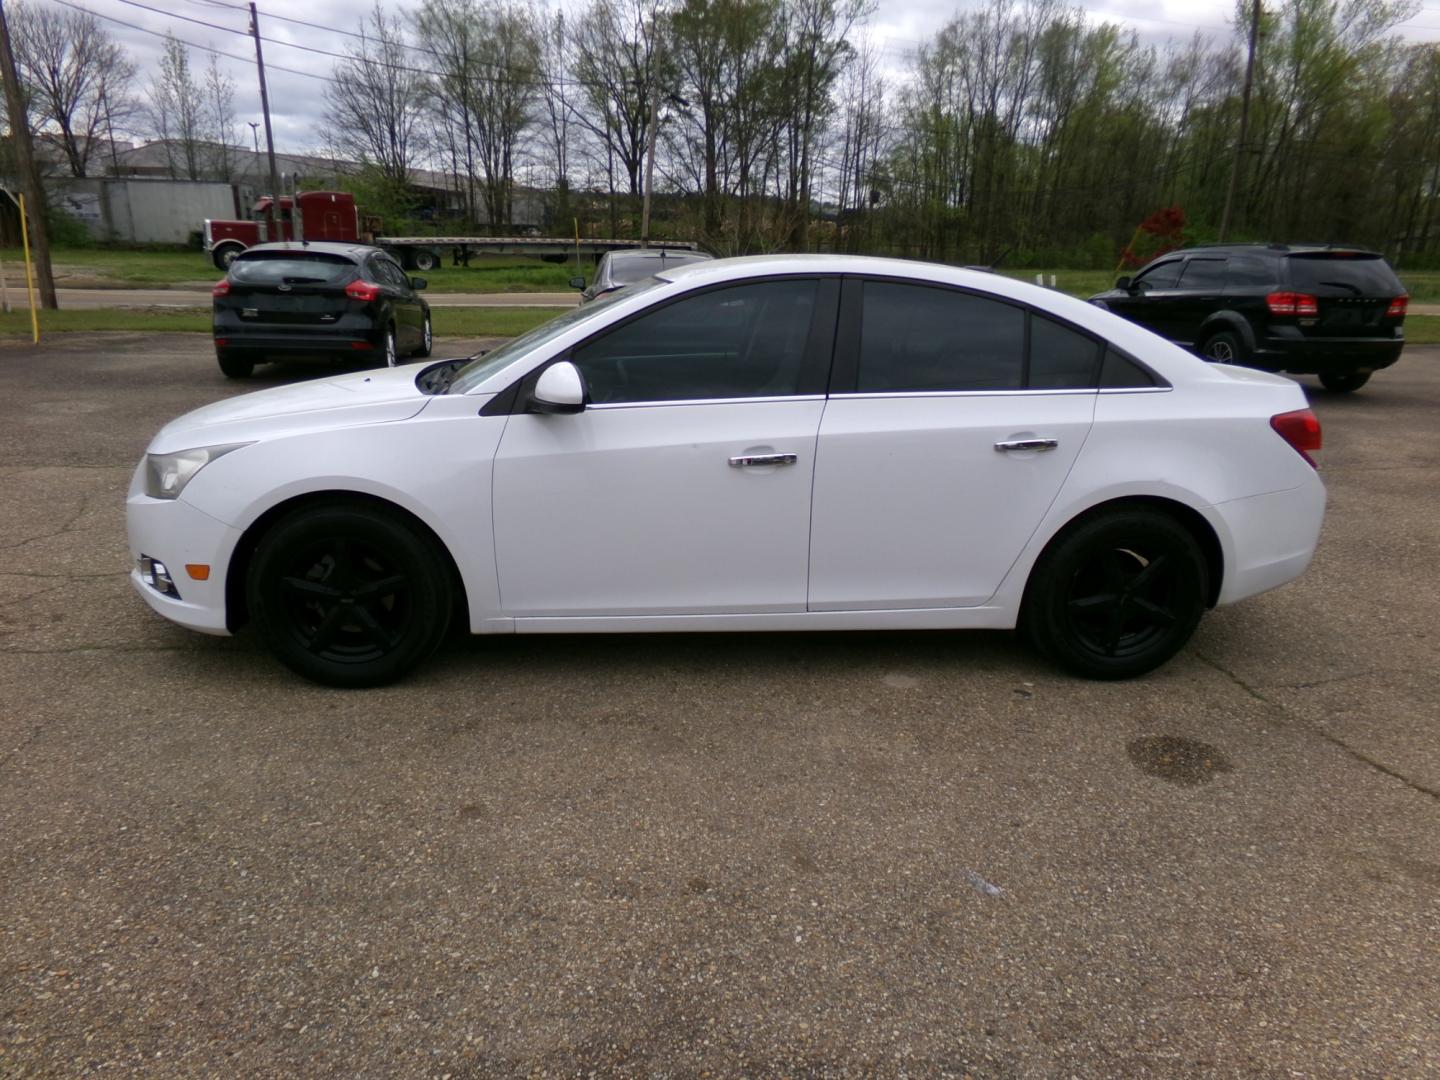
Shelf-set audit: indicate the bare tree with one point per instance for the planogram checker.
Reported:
(77, 78)
(375, 99)
(175, 110)
(220, 118)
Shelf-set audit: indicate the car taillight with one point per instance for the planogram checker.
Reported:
(1292, 303)
(1398, 307)
(1301, 429)
(363, 291)
(222, 288)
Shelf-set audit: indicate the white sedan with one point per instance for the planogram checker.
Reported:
(777, 443)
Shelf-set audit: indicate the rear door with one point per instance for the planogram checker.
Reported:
(952, 424)
(404, 303)
(1352, 290)
(1202, 286)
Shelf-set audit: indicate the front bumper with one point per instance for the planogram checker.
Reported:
(177, 534)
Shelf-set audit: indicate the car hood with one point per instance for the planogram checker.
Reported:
(367, 397)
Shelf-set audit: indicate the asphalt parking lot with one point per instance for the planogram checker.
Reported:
(771, 855)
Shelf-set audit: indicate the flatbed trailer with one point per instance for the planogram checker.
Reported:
(428, 252)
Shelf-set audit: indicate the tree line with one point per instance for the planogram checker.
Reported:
(1023, 130)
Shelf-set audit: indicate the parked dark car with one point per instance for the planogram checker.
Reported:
(1336, 312)
(617, 269)
(317, 301)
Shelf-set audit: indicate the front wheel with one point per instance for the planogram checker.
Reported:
(349, 596)
(1346, 383)
(1117, 595)
(224, 255)
(1224, 348)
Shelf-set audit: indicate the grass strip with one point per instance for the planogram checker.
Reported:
(448, 322)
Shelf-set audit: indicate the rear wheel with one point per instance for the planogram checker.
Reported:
(234, 366)
(427, 339)
(1224, 348)
(349, 596)
(1346, 383)
(392, 354)
(424, 259)
(1117, 595)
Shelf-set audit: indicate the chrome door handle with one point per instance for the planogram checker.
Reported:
(741, 461)
(1027, 444)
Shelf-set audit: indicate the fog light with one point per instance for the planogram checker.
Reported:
(154, 574)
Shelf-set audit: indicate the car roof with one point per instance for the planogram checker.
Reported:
(1271, 249)
(349, 251)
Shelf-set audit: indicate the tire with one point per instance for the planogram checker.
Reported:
(224, 255)
(427, 339)
(1224, 348)
(349, 596)
(1117, 594)
(233, 365)
(424, 259)
(1347, 383)
(392, 353)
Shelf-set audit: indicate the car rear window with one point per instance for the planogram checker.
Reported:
(267, 268)
(1343, 273)
(627, 271)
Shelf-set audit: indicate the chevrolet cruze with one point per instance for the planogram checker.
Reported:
(776, 443)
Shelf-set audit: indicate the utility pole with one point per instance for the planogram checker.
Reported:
(269, 135)
(25, 161)
(1238, 163)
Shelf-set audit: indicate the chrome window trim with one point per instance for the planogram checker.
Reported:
(705, 401)
(1005, 393)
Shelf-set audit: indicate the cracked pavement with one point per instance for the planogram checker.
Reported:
(769, 855)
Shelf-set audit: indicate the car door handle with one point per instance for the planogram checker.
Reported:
(1027, 444)
(744, 461)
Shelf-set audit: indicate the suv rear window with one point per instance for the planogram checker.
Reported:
(1344, 273)
(266, 268)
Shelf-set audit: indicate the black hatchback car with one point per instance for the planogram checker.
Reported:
(1335, 312)
(302, 301)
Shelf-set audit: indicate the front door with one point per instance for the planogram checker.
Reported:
(684, 486)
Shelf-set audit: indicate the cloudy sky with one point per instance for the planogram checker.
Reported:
(296, 100)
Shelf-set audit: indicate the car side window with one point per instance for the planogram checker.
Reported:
(391, 274)
(919, 338)
(1164, 276)
(743, 341)
(1060, 358)
(1250, 270)
(1203, 273)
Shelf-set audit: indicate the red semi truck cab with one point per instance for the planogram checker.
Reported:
(322, 215)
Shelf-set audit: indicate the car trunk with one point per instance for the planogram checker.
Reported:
(1352, 291)
(291, 291)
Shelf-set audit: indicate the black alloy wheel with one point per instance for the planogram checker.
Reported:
(1224, 348)
(1117, 595)
(349, 596)
(1346, 383)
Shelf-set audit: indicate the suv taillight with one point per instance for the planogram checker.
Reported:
(363, 291)
(1301, 429)
(222, 288)
(1292, 303)
(1398, 307)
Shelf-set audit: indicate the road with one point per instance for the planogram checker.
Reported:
(809, 855)
(185, 298)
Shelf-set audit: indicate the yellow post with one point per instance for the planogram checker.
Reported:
(29, 274)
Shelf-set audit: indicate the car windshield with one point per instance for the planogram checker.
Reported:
(487, 364)
(1344, 274)
(276, 267)
(629, 271)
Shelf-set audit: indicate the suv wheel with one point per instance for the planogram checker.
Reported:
(233, 366)
(1224, 348)
(1345, 383)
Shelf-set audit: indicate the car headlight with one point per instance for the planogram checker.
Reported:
(167, 474)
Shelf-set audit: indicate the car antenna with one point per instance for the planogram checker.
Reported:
(999, 259)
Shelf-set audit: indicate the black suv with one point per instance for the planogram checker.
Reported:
(1335, 312)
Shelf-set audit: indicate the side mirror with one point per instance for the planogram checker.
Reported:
(577, 282)
(1123, 283)
(560, 389)
(418, 283)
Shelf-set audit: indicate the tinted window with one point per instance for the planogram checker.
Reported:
(274, 268)
(389, 273)
(1250, 270)
(1164, 276)
(626, 271)
(1203, 273)
(918, 338)
(1060, 358)
(744, 341)
(1122, 373)
(1342, 275)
